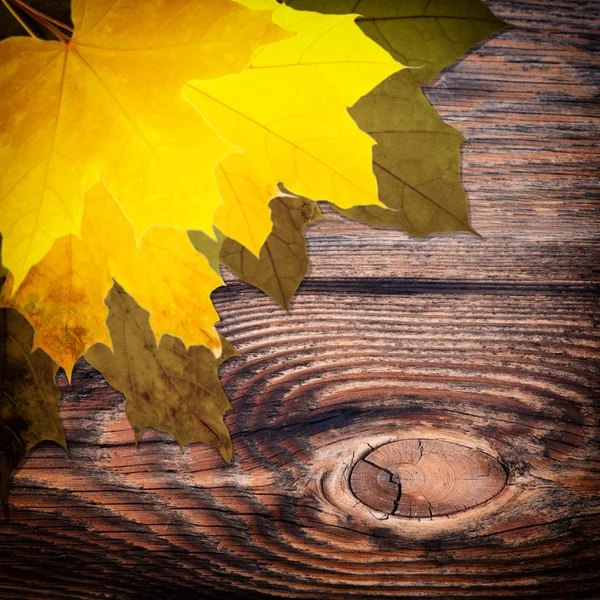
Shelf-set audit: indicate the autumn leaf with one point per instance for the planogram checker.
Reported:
(417, 156)
(63, 295)
(283, 262)
(167, 387)
(30, 397)
(245, 214)
(166, 276)
(208, 246)
(107, 104)
(287, 112)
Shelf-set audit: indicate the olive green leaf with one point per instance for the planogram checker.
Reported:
(29, 397)
(282, 262)
(417, 156)
(209, 247)
(167, 387)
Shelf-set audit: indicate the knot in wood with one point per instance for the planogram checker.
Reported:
(426, 478)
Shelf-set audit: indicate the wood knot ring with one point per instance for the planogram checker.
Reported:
(426, 478)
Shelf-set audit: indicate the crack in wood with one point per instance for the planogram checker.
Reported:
(420, 478)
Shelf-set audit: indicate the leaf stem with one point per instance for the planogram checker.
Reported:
(22, 23)
(44, 20)
(44, 16)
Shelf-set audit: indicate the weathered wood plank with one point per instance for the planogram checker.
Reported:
(489, 343)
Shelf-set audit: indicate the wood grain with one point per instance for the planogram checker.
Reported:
(425, 478)
(487, 343)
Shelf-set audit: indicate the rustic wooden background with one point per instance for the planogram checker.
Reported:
(491, 343)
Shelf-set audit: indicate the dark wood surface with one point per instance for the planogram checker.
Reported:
(491, 344)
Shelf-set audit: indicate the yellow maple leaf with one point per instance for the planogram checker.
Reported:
(245, 215)
(63, 296)
(287, 111)
(107, 104)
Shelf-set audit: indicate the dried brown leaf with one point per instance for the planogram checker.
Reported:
(283, 261)
(167, 387)
(29, 397)
(417, 156)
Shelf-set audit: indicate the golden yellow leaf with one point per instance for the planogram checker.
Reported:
(108, 105)
(63, 295)
(166, 276)
(245, 215)
(63, 298)
(28, 397)
(167, 387)
(288, 113)
(282, 262)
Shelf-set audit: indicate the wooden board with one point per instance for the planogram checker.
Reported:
(489, 344)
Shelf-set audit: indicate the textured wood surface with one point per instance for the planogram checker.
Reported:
(425, 478)
(491, 344)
